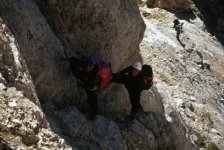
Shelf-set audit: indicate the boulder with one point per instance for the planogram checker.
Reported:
(181, 5)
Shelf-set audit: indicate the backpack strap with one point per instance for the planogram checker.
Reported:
(147, 80)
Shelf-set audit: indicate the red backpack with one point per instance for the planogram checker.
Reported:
(104, 72)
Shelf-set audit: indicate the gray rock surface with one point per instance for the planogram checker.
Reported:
(190, 78)
(111, 28)
(183, 110)
(23, 124)
(13, 67)
(114, 32)
(180, 5)
(23, 17)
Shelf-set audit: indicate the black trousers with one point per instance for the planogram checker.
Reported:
(92, 99)
(134, 94)
(135, 103)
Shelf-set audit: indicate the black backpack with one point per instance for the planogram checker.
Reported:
(147, 74)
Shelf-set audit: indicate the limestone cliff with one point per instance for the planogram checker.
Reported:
(38, 45)
(211, 12)
(179, 5)
(23, 125)
(43, 108)
(112, 28)
(189, 78)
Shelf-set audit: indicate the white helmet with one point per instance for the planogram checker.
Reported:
(137, 65)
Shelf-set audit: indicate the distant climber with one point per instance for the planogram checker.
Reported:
(178, 26)
(179, 29)
(133, 80)
(90, 72)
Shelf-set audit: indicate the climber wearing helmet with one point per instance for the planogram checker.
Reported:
(87, 71)
(179, 29)
(136, 69)
(91, 81)
(132, 79)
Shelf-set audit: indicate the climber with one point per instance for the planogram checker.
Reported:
(87, 71)
(132, 79)
(178, 27)
(91, 80)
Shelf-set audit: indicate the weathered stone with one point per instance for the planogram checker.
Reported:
(13, 68)
(37, 51)
(19, 126)
(152, 101)
(29, 138)
(184, 106)
(111, 28)
(196, 57)
(184, 5)
(139, 137)
(194, 90)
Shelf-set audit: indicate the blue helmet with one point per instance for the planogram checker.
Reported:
(93, 59)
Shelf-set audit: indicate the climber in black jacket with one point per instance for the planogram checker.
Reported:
(91, 82)
(132, 79)
(87, 71)
(178, 27)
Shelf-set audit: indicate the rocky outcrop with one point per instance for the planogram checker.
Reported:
(23, 124)
(148, 131)
(13, 68)
(182, 5)
(24, 127)
(188, 78)
(212, 13)
(38, 45)
(82, 28)
(182, 110)
(113, 28)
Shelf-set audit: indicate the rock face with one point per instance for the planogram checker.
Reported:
(190, 78)
(148, 131)
(183, 5)
(114, 32)
(23, 125)
(212, 13)
(13, 68)
(113, 28)
(38, 45)
(183, 110)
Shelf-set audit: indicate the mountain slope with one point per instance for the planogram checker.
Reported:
(190, 78)
(42, 106)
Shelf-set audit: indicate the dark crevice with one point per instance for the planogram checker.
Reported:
(211, 11)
